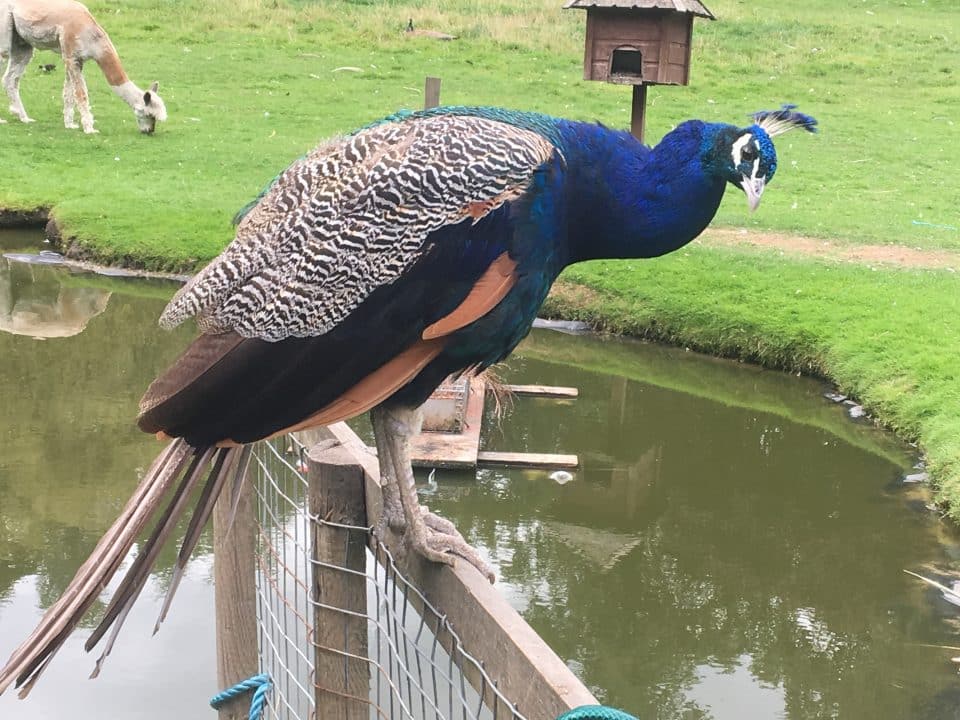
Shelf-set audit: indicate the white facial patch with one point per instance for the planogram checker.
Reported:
(738, 148)
(737, 152)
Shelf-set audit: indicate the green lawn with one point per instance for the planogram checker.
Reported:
(251, 85)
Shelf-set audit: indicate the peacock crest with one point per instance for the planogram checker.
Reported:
(777, 122)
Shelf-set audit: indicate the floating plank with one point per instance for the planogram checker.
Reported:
(514, 459)
(544, 391)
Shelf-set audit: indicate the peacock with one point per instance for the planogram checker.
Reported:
(418, 247)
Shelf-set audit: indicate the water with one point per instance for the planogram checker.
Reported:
(732, 545)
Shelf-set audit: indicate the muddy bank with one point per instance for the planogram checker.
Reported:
(69, 252)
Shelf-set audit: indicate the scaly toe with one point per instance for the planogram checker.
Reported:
(443, 543)
(441, 525)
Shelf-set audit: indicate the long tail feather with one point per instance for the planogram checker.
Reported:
(95, 572)
(136, 577)
(179, 465)
(239, 473)
(226, 459)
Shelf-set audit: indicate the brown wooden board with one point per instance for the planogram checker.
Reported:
(524, 667)
(550, 391)
(235, 596)
(541, 460)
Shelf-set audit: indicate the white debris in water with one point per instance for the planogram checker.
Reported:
(561, 477)
(856, 411)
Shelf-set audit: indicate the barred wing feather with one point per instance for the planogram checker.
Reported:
(351, 217)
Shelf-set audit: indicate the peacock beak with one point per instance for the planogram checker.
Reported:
(753, 189)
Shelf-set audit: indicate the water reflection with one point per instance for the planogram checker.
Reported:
(731, 545)
(70, 454)
(41, 304)
(715, 555)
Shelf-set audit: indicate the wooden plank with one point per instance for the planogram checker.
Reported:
(235, 598)
(552, 391)
(336, 493)
(530, 460)
(526, 670)
(453, 451)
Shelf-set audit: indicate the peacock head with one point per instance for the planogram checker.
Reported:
(751, 157)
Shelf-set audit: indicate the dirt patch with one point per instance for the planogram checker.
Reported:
(889, 255)
(575, 295)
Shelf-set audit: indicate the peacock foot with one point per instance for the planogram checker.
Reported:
(437, 539)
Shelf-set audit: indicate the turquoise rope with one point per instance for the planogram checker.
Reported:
(260, 684)
(596, 712)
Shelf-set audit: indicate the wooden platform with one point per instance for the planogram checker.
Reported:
(454, 450)
(461, 450)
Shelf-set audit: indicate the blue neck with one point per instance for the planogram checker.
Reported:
(629, 201)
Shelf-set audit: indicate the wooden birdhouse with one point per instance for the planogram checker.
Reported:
(639, 43)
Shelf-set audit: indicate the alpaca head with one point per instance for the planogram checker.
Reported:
(150, 110)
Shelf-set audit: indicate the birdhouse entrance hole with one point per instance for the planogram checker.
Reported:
(626, 62)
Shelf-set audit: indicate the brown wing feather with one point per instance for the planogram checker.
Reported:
(205, 352)
(375, 387)
(187, 375)
(489, 290)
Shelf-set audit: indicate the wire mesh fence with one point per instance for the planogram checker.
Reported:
(382, 650)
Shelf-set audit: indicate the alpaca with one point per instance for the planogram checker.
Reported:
(68, 28)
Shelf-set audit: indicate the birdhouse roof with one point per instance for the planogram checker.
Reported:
(694, 7)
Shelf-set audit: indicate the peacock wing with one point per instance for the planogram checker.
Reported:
(352, 216)
(361, 259)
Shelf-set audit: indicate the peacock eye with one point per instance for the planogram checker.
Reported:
(749, 154)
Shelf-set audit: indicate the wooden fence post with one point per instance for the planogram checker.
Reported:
(526, 670)
(638, 111)
(336, 493)
(235, 597)
(431, 93)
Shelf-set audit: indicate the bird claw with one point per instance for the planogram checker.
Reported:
(441, 542)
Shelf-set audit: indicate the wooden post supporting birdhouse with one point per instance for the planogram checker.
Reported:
(639, 43)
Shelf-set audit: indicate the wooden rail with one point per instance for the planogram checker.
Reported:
(524, 667)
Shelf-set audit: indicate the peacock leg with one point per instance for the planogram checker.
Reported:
(431, 536)
(392, 515)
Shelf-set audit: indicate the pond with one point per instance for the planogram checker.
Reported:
(732, 545)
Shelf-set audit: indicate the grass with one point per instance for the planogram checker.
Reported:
(251, 85)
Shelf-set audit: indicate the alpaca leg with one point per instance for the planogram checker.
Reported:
(69, 103)
(75, 71)
(20, 54)
(83, 101)
(4, 58)
(6, 38)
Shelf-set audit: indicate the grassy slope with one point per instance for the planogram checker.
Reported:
(251, 85)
